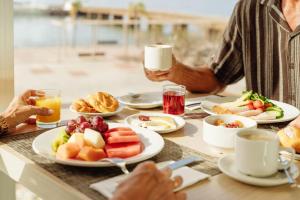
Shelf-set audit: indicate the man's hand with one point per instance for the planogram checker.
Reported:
(22, 107)
(163, 75)
(296, 122)
(148, 183)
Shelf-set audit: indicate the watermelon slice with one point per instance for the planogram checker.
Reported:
(123, 139)
(119, 133)
(119, 129)
(123, 150)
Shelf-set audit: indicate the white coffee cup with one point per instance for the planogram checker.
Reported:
(158, 57)
(257, 153)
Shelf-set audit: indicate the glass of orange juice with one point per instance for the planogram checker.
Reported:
(50, 100)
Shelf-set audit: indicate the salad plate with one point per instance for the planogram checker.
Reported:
(255, 106)
(152, 143)
(142, 100)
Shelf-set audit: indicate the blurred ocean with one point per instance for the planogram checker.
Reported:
(197, 7)
(37, 31)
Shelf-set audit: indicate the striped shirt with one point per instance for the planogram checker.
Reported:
(260, 45)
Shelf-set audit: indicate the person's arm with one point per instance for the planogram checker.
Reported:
(196, 80)
(227, 67)
(20, 109)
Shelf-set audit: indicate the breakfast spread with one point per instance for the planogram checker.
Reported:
(99, 102)
(253, 105)
(235, 124)
(92, 140)
(155, 123)
(290, 137)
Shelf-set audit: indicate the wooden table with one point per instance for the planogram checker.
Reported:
(18, 168)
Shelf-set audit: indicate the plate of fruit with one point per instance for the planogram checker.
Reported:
(85, 142)
(255, 106)
(97, 104)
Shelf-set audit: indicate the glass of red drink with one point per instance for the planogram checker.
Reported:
(173, 99)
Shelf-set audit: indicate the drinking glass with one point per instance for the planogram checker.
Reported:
(50, 100)
(173, 99)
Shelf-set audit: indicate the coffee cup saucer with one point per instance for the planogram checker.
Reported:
(227, 165)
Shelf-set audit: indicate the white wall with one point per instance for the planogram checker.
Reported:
(6, 53)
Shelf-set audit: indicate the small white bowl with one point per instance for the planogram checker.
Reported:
(221, 136)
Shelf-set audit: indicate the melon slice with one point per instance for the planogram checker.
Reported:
(67, 151)
(91, 154)
(78, 139)
(93, 138)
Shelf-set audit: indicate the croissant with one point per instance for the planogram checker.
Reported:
(81, 105)
(103, 102)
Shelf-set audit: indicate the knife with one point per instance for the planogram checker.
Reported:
(184, 162)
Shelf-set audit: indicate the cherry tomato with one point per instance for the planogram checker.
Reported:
(250, 106)
(258, 104)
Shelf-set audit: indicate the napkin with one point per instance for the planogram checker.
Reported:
(189, 175)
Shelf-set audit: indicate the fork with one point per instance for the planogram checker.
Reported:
(119, 162)
(194, 106)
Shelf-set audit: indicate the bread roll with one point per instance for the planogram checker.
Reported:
(290, 137)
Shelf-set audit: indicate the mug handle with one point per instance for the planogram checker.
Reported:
(290, 150)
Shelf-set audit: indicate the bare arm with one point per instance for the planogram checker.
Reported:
(201, 79)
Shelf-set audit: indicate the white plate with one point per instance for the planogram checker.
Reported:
(152, 141)
(180, 122)
(108, 114)
(290, 112)
(228, 167)
(144, 101)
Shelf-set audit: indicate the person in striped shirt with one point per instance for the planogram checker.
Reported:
(260, 43)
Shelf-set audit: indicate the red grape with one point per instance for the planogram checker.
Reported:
(70, 129)
(103, 128)
(72, 123)
(97, 121)
(81, 119)
(84, 125)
